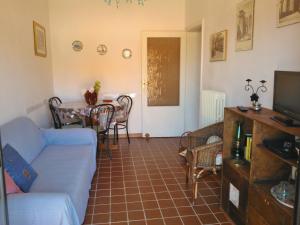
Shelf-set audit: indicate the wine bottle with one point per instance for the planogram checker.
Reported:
(237, 149)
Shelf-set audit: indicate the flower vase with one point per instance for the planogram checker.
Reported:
(91, 98)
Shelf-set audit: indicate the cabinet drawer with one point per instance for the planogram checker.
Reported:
(264, 204)
(254, 218)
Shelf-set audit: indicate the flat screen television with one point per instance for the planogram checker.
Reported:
(287, 97)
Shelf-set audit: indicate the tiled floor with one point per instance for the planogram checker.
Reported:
(144, 184)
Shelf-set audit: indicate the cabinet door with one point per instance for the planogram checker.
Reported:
(232, 177)
(268, 209)
(254, 218)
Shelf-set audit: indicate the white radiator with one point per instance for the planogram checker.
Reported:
(212, 107)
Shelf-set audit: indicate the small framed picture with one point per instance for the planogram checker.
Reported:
(39, 33)
(288, 12)
(218, 46)
(244, 25)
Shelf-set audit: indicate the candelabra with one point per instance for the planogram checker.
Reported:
(254, 96)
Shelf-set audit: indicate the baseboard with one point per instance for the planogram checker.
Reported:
(132, 135)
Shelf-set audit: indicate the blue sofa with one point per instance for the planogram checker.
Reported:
(65, 161)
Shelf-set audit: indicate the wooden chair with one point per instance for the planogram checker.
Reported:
(59, 122)
(100, 119)
(203, 147)
(122, 119)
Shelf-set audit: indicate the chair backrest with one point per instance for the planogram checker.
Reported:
(126, 102)
(53, 103)
(101, 116)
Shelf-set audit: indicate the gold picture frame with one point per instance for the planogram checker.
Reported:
(39, 33)
(288, 12)
(218, 46)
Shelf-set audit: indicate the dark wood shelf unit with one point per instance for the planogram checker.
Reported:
(254, 180)
(242, 169)
(291, 162)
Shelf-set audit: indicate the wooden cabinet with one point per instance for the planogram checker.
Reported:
(253, 181)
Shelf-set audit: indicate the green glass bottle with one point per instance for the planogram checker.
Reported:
(237, 148)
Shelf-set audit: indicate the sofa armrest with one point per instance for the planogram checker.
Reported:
(75, 136)
(41, 208)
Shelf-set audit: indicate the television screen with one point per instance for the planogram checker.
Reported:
(287, 94)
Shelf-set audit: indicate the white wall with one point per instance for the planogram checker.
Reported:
(93, 22)
(25, 80)
(274, 48)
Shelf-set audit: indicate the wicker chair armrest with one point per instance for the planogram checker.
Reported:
(209, 150)
(217, 146)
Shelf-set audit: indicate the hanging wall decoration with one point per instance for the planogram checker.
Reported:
(218, 46)
(39, 33)
(77, 46)
(102, 49)
(127, 53)
(245, 24)
(288, 12)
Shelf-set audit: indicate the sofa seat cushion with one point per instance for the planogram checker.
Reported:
(66, 169)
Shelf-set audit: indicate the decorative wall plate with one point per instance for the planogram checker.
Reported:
(77, 46)
(102, 49)
(127, 53)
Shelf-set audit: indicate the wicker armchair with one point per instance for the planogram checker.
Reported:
(203, 147)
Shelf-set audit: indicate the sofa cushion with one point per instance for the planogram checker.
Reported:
(20, 171)
(66, 169)
(25, 136)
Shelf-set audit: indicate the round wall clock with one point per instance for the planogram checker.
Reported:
(102, 49)
(77, 46)
(127, 53)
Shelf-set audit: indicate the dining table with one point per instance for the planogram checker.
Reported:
(69, 110)
(80, 109)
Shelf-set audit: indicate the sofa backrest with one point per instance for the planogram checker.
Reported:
(22, 134)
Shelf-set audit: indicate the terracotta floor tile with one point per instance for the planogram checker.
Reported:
(163, 195)
(150, 204)
(202, 209)
(134, 206)
(165, 203)
(153, 214)
(155, 222)
(136, 215)
(140, 222)
(133, 198)
(101, 209)
(169, 212)
(144, 184)
(148, 197)
(118, 217)
(117, 191)
(119, 207)
(101, 218)
(181, 202)
(191, 220)
(173, 221)
(186, 211)
(118, 199)
(208, 219)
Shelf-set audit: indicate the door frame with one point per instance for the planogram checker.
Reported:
(145, 35)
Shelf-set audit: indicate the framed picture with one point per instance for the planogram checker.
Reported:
(39, 33)
(288, 12)
(245, 25)
(218, 46)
